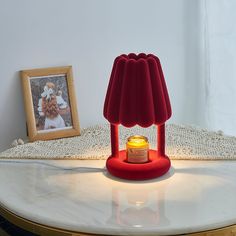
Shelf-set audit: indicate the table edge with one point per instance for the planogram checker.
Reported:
(41, 229)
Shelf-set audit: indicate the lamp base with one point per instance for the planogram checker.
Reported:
(155, 167)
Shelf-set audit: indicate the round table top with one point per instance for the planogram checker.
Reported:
(193, 196)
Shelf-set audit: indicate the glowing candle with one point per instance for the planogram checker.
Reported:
(137, 147)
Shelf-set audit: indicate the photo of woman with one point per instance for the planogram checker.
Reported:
(51, 103)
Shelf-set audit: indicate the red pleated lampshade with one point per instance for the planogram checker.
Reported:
(137, 92)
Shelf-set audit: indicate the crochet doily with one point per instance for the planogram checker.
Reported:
(182, 142)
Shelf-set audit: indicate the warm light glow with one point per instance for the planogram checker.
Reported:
(137, 147)
(139, 203)
(137, 141)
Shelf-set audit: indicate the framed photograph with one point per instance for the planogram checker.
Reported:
(50, 103)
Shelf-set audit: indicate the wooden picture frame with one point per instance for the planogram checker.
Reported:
(50, 103)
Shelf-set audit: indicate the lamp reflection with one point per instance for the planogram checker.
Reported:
(131, 207)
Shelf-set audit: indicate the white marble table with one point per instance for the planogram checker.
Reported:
(194, 196)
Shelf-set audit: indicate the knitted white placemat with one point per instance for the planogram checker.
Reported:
(182, 142)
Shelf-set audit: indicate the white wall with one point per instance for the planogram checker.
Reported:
(88, 35)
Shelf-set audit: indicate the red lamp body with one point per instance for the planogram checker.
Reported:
(137, 95)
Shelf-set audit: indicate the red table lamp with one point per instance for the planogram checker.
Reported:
(137, 95)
